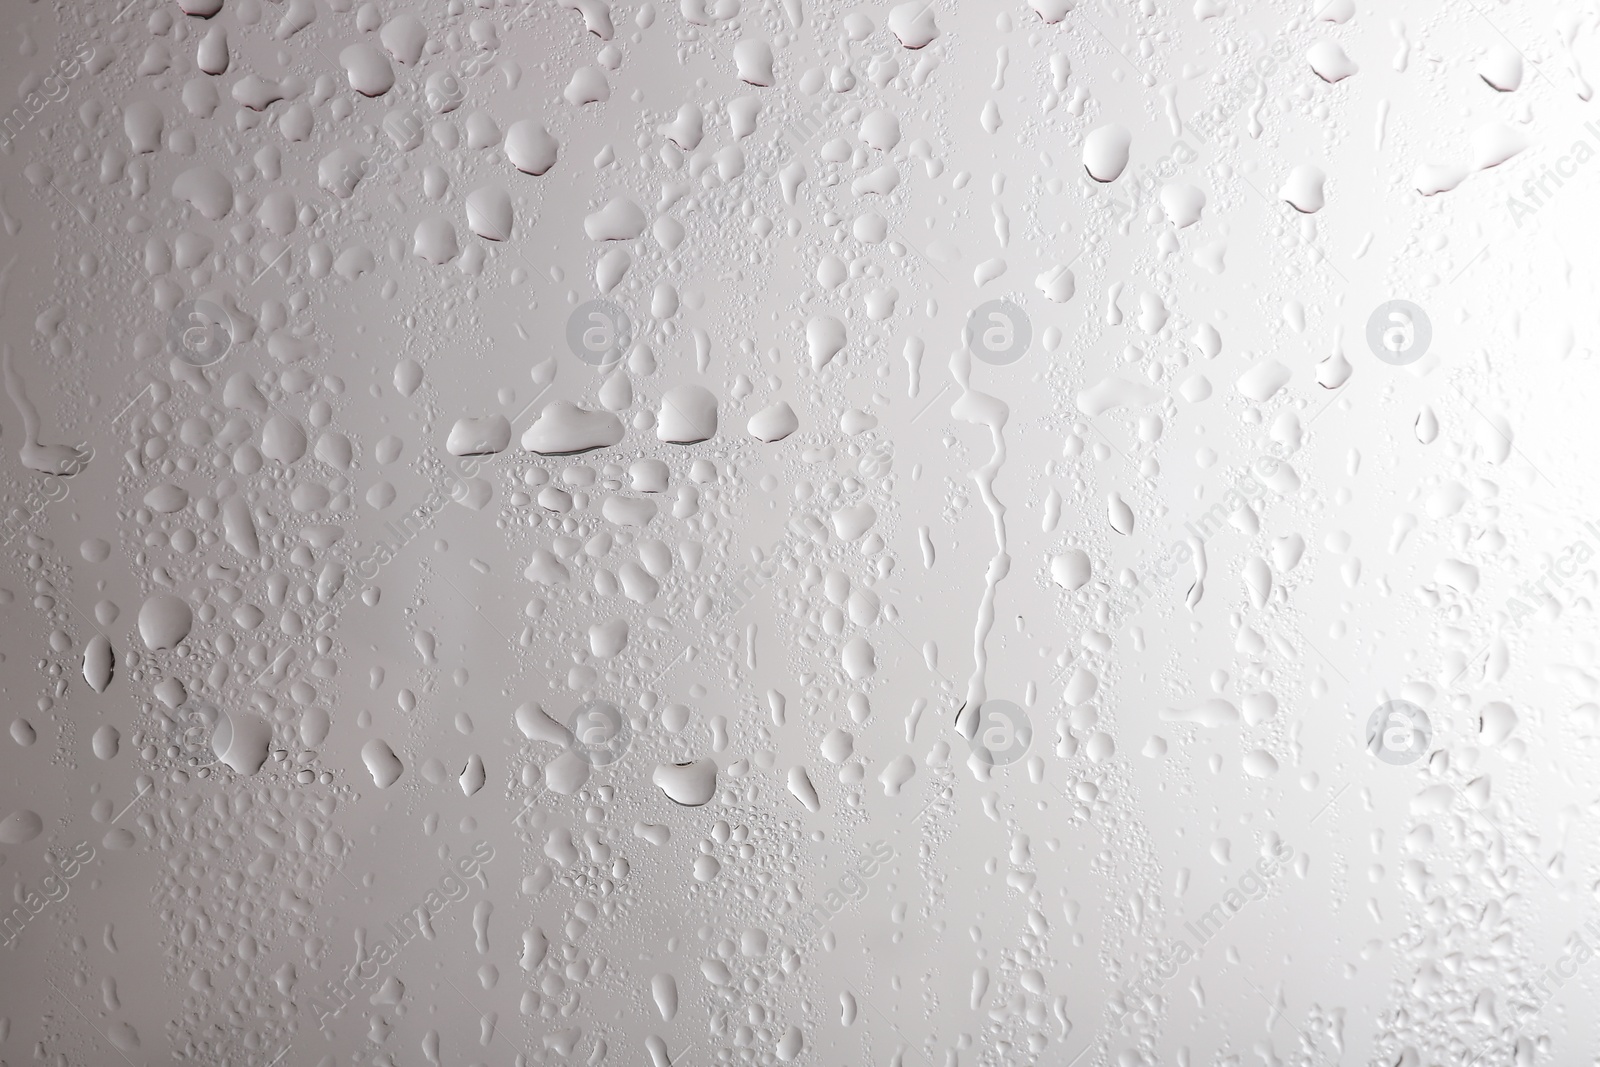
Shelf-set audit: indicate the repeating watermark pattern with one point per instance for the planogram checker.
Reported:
(1143, 181)
(1399, 332)
(442, 92)
(1398, 732)
(1537, 190)
(1251, 886)
(1559, 973)
(599, 332)
(851, 889)
(414, 522)
(52, 89)
(1250, 485)
(799, 132)
(452, 888)
(1561, 571)
(601, 733)
(1002, 733)
(332, 586)
(404, 129)
(742, 590)
(999, 332)
(53, 889)
(40, 494)
(1263, 68)
(401, 130)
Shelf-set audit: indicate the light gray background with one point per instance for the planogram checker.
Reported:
(1420, 533)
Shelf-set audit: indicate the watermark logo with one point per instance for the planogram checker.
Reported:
(600, 732)
(1254, 884)
(801, 136)
(40, 493)
(1254, 485)
(851, 888)
(1398, 732)
(1537, 189)
(1236, 92)
(385, 945)
(51, 90)
(876, 461)
(1142, 182)
(444, 91)
(190, 731)
(52, 890)
(598, 332)
(998, 332)
(198, 332)
(1399, 332)
(742, 589)
(1003, 733)
(411, 524)
(808, 124)
(1558, 574)
(1563, 970)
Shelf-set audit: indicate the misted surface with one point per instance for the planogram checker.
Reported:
(736, 533)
